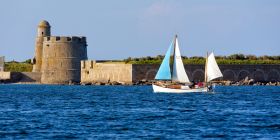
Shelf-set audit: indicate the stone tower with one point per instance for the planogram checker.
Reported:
(57, 58)
(61, 61)
(44, 29)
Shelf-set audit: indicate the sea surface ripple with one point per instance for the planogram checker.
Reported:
(135, 112)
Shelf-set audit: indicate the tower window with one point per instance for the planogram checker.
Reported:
(42, 32)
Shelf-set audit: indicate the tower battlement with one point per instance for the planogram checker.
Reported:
(75, 39)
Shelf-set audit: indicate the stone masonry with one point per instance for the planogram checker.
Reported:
(105, 72)
(136, 72)
(260, 73)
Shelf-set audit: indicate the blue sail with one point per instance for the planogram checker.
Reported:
(164, 69)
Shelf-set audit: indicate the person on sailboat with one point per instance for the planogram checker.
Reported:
(193, 85)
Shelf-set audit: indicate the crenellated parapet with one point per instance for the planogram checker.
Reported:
(74, 39)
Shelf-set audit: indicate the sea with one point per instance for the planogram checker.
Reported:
(136, 112)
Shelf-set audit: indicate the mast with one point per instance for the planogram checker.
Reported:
(206, 69)
(173, 57)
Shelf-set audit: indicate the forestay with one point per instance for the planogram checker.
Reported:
(179, 73)
(213, 70)
(164, 70)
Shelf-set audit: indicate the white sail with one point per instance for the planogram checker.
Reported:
(179, 73)
(213, 70)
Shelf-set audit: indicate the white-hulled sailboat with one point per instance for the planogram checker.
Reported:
(179, 80)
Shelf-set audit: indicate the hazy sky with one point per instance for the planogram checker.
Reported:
(117, 29)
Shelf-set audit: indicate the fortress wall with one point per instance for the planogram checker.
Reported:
(10, 76)
(31, 76)
(144, 71)
(5, 75)
(61, 60)
(104, 72)
(260, 73)
(20, 76)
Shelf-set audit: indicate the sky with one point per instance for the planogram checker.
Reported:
(116, 30)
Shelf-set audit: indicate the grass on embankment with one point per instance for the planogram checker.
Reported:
(202, 61)
(18, 67)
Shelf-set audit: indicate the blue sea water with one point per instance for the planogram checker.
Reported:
(135, 112)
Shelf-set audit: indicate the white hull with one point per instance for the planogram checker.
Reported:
(163, 89)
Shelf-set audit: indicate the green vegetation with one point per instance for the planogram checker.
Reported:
(14, 66)
(232, 59)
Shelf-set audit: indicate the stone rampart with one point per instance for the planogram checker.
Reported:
(260, 73)
(10, 76)
(105, 72)
(30, 77)
(144, 71)
(5, 75)
(92, 71)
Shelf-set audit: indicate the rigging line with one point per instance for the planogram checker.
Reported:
(185, 66)
(181, 47)
(181, 42)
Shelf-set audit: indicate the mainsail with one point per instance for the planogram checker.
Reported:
(164, 70)
(213, 70)
(179, 72)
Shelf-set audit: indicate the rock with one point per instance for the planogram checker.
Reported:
(58, 84)
(116, 83)
(251, 82)
(278, 83)
(73, 83)
(70, 82)
(99, 83)
(272, 84)
(228, 83)
(246, 81)
(122, 83)
(130, 84)
(144, 80)
(85, 83)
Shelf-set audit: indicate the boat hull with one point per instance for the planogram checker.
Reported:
(171, 90)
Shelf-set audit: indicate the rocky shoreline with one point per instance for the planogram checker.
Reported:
(248, 81)
(245, 81)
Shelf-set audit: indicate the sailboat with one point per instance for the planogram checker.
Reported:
(180, 82)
